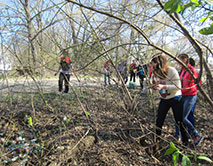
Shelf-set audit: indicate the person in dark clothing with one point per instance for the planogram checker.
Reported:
(142, 70)
(65, 71)
(132, 70)
(107, 72)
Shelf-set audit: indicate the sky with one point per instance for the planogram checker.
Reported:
(3, 64)
(168, 38)
(3, 2)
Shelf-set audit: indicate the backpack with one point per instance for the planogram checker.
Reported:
(65, 63)
(142, 70)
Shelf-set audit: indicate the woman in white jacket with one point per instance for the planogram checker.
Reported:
(169, 85)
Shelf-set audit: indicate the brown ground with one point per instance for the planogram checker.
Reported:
(101, 130)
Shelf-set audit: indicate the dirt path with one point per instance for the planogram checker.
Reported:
(47, 85)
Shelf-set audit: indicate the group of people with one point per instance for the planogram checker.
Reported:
(133, 70)
(141, 70)
(179, 92)
(177, 89)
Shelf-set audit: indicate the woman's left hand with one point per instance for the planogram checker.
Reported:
(159, 86)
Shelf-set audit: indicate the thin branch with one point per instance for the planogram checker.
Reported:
(118, 18)
(127, 92)
(197, 49)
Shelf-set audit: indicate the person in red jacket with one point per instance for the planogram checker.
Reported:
(65, 72)
(107, 72)
(132, 70)
(189, 96)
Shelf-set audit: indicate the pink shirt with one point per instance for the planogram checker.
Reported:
(189, 88)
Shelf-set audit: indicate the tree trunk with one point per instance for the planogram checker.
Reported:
(29, 29)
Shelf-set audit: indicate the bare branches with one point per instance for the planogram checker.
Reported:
(198, 50)
(118, 18)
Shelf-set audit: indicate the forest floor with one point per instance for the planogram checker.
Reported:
(91, 125)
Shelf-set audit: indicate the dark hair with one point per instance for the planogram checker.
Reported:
(64, 53)
(183, 56)
(192, 62)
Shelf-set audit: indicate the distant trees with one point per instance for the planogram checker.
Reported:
(35, 32)
(23, 23)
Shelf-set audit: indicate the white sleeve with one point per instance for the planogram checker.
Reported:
(173, 81)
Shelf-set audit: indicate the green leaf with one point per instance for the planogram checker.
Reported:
(193, 7)
(185, 6)
(190, 155)
(188, 5)
(203, 19)
(69, 103)
(175, 158)
(174, 7)
(207, 30)
(179, 8)
(69, 119)
(168, 5)
(88, 113)
(195, 2)
(30, 121)
(210, 13)
(171, 149)
(172, 145)
(204, 158)
(185, 161)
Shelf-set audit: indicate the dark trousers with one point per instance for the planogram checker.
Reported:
(132, 75)
(177, 108)
(141, 77)
(64, 78)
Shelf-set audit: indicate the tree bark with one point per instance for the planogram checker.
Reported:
(30, 32)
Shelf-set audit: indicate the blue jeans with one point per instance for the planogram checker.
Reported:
(126, 79)
(189, 103)
(191, 116)
(106, 75)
